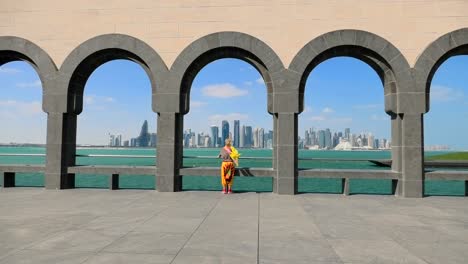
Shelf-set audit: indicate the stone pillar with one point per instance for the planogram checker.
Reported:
(61, 150)
(396, 151)
(169, 156)
(286, 153)
(412, 150)
(274, 141)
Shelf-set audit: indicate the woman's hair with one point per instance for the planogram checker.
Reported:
(227, 141)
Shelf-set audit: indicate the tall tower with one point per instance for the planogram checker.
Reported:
(370, 141)
(214, 136)
(328, 138)
(144, 137)
(255, 138)
(321, 139)
(248, 137)
(236, 133)
(242, 137)
(261, 138)
(347, 133)
(224, 131)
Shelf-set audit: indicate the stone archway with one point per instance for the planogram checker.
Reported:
(19, 49)
(393, 70)
(437, 52)
(175, 97)
(451, 44)
(73, 74)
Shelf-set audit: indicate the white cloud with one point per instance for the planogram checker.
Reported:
(248, 83)
(331, 121)
(217, 119)
(368, 106)
(343, 120)
(97, 100)
(196, 104)
(260, 81)
(443, 94)
(6, 70)
(224, 90)
(375, 117)
(317, 118)
(19, 109)
(109, 99)
(328, 110)
(34, 84)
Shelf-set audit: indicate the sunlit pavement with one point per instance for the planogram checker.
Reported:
(133, 226)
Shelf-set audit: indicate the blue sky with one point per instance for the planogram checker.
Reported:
(340, 92)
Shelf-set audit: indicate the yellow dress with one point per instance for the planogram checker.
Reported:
(228, 169)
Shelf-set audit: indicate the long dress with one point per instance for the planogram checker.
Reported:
(227, 167)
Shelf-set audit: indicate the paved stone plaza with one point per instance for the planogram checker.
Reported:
(133, 226)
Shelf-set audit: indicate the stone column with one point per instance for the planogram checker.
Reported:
(275, 140)
(169, 156)
(61, 150)
(286, 154)
(412, 150)
(396, 150)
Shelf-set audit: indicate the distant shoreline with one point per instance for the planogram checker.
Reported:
(141, 148)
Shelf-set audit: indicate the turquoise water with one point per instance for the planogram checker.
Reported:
(455, 188)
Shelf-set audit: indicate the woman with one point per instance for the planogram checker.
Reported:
(230, 158)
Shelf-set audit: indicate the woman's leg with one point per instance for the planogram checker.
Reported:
(223, 179)
(231, 181)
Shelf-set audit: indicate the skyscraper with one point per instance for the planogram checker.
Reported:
(153, 140)
(321, 139)
(118, 141)
(224, 131)
(207, 142)
(144, 138)
(261, 138)
(242, 137)
(269, 139)
(328, 139)
(214, 136)
(187, 137)
(255, 138)
(347, 133)
(313, 138)
(111, 140)
(248, 137)
(335, 140)
(236, 133)
(370, 141)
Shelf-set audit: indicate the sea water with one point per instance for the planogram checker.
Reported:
(324, 159)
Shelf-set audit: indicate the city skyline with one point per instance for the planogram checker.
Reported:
(245, 137)
(353, 100)
(144, 139)
(257, 137)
